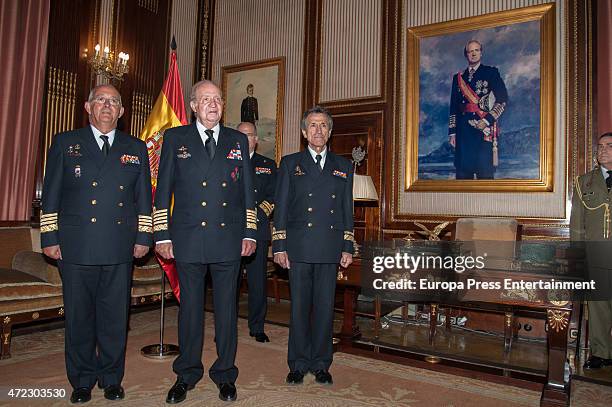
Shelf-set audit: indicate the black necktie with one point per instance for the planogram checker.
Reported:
(210, 144)
(106, 145)
(318, 157)
(609, 180)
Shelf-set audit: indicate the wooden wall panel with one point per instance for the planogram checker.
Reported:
(351, 55)
(184, 23)
(143, 31)
(255, 30)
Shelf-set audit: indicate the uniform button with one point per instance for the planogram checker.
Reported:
(255, 190)
(121, 187)
(331, 227)
(120, 204)
(203, 223)
(204, 184)
(203, 203)
(93, 202)
(224, 203)
(309, 224)
(222, 225)
(309, 209)
(118, 222)
(310, 194)
(224, 184)
(94, 184)
(93, 220)
(333, 196)
(331, 211)
(256, 202)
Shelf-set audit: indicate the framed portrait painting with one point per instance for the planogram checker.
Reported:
(480, 103)
(254, 92)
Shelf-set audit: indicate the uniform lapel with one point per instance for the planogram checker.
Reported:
(88, 141)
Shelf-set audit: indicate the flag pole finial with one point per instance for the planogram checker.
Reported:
(173, 44)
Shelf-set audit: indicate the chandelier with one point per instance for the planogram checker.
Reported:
(107, 65)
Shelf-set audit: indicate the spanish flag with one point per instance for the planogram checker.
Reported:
(168, 111)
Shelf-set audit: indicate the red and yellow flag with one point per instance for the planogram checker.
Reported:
(168, 112)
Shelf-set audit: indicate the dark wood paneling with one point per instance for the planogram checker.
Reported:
(145, 35)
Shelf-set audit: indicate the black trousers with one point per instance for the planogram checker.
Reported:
(188, 365)
(313, 288)
(96, 303)
(257, 279)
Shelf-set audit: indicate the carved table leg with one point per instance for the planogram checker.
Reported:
(508, 331)
(556, 391)
(350, 329)
(6, 326)
(433, 321)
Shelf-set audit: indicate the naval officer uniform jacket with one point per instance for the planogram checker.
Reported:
(313, 223)
(96, 208)
(213, 212)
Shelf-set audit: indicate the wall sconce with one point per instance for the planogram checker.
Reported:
(105, 64)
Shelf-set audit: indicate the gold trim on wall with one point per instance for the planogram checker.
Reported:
(543, 13)
(60, 106)
(142, 104)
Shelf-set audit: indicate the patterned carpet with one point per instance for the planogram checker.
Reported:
(38, 362)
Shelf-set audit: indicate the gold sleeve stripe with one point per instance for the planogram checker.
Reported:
(349, 236)
(251, 225)
(49, 228)
(267, 207)
(278, 234)
(158, 228)
(48, 222)
(145, 224)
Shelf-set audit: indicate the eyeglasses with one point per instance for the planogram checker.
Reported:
(111, 101)
(206, 100)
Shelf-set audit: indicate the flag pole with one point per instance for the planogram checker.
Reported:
(161, 350)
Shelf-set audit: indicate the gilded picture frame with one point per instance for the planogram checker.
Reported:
(520, 44)
(254, 91)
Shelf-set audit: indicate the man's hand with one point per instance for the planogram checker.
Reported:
(452, 141)
(140, 250)
(346, 259)
(248, 247)
(282, 260)
(165, 250)
(53, 252)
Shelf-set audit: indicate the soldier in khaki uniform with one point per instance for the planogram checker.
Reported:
(590, 222)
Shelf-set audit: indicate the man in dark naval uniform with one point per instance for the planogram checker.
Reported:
(478, 99)
(313, 232)
(264, 170)
(96, 217)
(249, 112)
(207, 168)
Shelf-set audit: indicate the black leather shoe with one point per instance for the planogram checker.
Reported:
(114, 392)
(323, 377)
(594, 362)
(80, 395)
(260, 337)
(178, 392)
(227, 391)
(295, 378)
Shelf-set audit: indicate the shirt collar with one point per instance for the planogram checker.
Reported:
(474, 68)
(313, 153)
(202, 128)
(604, 171)
(251, 154)
(97, 133)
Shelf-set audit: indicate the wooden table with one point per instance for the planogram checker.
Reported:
(558, 314)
